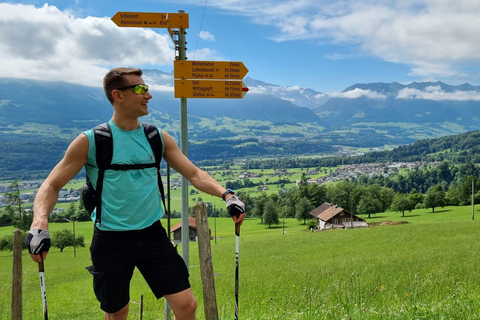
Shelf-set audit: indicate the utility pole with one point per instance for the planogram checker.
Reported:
(473, 198)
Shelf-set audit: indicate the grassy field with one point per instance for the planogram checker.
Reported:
(424, 269)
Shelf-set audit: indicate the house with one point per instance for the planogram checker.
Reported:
(192, 233)
(331, 216)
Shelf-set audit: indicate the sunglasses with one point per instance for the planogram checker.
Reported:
(137, 88)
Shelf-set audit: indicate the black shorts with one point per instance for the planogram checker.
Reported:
(115, 254)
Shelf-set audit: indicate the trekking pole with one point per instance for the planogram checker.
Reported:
(41, 270)
(237, 249)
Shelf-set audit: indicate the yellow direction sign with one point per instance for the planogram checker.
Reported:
(151, 20)
(185, 69)
(210, 89)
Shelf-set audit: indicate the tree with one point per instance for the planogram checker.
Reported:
(15, 211)
(71, 211)
(303, 209)
(14, 202)
(6, 243)
(259, 205)
(368, 205)
(270, 215)
(402, 203)
(64, 238)
(435, 197)
(317, 194)
(344, 194)
(415, 198)
(82, 214)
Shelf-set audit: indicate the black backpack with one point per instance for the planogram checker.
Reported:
(104, 153)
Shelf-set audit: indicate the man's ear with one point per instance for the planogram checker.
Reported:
(117, 95)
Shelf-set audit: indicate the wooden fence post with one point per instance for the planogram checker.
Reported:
(17, 276)
(206, 265)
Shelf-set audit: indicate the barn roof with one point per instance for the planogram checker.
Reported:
(326, 211)
(191, 223)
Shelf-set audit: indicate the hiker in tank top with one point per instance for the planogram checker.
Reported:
(129, 234)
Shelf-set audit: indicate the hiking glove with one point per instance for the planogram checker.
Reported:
(38, 241)
(235, 206)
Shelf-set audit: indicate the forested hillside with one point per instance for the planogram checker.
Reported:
(462, 148)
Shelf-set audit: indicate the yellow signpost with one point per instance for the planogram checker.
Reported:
(224, 89)
(184, 69)
(151, 20)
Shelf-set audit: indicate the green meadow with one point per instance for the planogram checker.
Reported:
(427, 268)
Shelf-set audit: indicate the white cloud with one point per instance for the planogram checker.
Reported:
(434, 37)
(206, 35)
(49, 44)
(161, 87)
(357, 93)
(436, 93)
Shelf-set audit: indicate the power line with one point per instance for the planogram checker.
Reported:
(200, 29)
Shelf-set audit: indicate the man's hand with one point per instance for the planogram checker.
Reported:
(38, 243)
(236, 209)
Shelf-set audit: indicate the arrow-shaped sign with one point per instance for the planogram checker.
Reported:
(151, 20)
(210, 89)
(187, 69)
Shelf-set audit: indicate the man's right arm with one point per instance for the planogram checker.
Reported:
(73, 161)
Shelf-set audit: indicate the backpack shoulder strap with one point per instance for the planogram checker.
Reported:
(103, 145)
(155, 141)
(153, 137)
(103, 157)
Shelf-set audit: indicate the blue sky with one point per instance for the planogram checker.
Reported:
(326, 45)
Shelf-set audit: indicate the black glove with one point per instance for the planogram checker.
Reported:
(235, 206)
(38, 241)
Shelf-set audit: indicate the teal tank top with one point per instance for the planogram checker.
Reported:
(130, 198)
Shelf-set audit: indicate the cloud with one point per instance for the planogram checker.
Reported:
(206, 35)
(357, 93)
(49, 44)
(436, 93)
(433, 37)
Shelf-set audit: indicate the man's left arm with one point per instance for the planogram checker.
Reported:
(199, 178)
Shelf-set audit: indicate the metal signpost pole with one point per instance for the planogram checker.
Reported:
(182, 55)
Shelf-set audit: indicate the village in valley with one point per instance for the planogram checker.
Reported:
(28, 189)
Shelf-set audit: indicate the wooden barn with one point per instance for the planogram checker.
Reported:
(192, 233)
(330, 216)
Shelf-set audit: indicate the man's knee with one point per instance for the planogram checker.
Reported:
(187, 306)
(119, 315)
(184, 304)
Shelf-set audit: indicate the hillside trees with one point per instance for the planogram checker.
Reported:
(369, 205)
(303, 209)
(15, 213)
(270, 214)
(402, 203)
(65, 238)
(435, 197)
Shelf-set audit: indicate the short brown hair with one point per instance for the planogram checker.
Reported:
(115, 78)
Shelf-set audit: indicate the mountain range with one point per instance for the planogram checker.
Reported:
(270, 120)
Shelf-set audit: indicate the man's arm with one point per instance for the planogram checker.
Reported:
(199, 178)
(73, 161)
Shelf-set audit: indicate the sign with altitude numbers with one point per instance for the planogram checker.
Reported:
(184, 69)
(224, 89)
(209, 79)
(151, 20)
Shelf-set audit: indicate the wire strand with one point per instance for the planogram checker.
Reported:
(200, 29)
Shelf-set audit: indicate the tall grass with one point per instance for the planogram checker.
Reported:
(425, 269)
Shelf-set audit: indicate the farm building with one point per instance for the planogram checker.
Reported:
(192, 233)
(330, 216)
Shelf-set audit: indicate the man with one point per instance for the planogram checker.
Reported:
(129, 234)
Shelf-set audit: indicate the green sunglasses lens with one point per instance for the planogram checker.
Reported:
(140, 89)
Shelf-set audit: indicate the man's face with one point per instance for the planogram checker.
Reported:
(134, 104)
